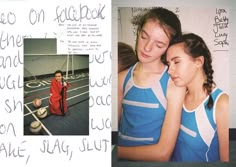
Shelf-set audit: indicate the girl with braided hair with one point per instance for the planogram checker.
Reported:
(204, 131)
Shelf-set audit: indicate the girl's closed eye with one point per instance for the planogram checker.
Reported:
(143, 37)
(159, 45)
(143, 34)
(176, 62)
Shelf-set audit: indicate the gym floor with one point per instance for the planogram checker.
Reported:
(75, 121)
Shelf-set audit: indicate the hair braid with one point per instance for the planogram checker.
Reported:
(195, 47)
(209, 81)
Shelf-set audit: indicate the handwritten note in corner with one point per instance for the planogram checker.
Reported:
(221, 30)
(80, 28)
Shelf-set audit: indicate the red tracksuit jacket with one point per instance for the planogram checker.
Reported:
(56, 102)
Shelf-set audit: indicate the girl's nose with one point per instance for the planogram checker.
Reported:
(170, 70)
(148, 46)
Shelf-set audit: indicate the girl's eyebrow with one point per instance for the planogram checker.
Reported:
(144, 32)
(160, 42)
(176, 57)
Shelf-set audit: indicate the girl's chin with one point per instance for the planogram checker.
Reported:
(143, 60)
(178, 84)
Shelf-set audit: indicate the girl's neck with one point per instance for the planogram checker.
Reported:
(195, 88)
(153, 67)
(196, 94)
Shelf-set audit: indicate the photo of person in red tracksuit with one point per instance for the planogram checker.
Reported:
(58, 95)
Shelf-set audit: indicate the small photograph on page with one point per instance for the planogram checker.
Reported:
(56, 90)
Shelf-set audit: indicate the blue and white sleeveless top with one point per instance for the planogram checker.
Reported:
(197, 140)
(143, 111)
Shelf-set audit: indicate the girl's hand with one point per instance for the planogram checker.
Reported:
(65, 84)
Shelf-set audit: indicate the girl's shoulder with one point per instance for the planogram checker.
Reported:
(122, 74)
(53, 81)
(220, 95)
(121, 78)
(221, 105)
(221, 109)
(222, 101)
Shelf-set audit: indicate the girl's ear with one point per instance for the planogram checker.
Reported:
(199, 61)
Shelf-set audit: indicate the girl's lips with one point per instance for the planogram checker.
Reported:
(145, 55)
(174, 78)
